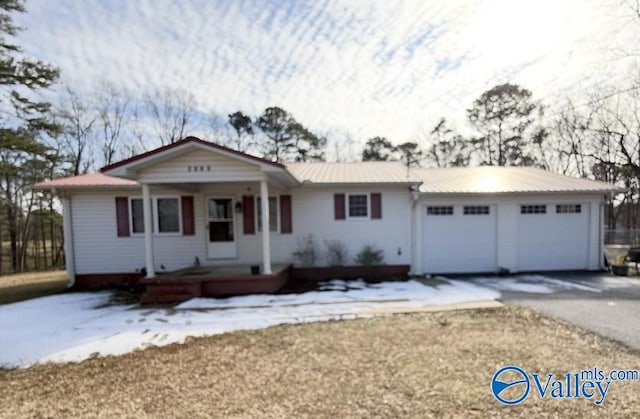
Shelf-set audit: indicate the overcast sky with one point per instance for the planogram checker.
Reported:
(388, 68)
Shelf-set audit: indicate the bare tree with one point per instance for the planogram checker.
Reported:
(114, 115)
(171, 112)
(77, 122)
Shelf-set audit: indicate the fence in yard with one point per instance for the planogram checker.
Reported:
(624, 236)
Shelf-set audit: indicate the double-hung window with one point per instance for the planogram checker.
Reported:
(137, 215)
(165, 215)
(358, 205)
(167, 211)
(273, 213)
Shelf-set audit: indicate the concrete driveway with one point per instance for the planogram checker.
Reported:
(599, 302)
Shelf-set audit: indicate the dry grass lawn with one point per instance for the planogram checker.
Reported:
(417, 365)
(19, 287)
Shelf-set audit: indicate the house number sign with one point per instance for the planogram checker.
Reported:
(198, 168)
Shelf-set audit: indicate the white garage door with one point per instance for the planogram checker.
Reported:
(553, 237)
(459, 238)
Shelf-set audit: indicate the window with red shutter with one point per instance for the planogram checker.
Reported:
(248, 214)
(285, 214)
(339, 206)
(376, 205)
(122, 216)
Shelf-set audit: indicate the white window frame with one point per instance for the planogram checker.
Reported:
(358, 217)
(131, 198)
(156, 215)
(259, 209)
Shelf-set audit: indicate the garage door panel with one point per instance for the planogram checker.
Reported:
(459, 243)
(553, 240)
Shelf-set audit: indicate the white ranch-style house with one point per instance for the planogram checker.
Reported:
(195, 201)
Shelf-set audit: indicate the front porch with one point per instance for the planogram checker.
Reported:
(212, 281)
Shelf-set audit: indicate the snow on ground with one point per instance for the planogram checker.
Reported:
(76, 326)
(531, 283)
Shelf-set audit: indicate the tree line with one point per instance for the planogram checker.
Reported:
(596, 136)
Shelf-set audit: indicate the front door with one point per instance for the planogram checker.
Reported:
(221, 243)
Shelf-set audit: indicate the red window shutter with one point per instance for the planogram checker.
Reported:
(285, 214)
(248, 214)
(338, 207)
(376, 205)
(122, 216)
(188, 218)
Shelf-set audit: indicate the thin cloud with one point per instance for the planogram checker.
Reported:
(363, 67)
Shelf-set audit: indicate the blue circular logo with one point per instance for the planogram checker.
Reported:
(498, 386)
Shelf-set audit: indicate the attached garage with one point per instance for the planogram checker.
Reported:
(460, 238)
(520, 219)
(553, 237)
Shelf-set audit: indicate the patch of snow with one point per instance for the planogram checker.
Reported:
(337, 291)
(537, 284)
(76, 326)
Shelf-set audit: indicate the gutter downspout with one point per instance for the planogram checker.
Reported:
(416, 241)
(67, 228)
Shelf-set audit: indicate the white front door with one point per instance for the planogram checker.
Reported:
(221, 240)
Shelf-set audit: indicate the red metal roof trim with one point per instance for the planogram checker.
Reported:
(185, 141)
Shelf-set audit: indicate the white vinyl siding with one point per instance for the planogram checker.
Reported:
(200, 166)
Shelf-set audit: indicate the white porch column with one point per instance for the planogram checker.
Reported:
(266, 240)
(148, 231)
(67, 228)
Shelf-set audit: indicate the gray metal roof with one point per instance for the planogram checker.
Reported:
(491, 179)
(352, 173)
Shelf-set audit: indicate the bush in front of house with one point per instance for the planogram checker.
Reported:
(369, 256)
(307, 253)
(337, 253)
